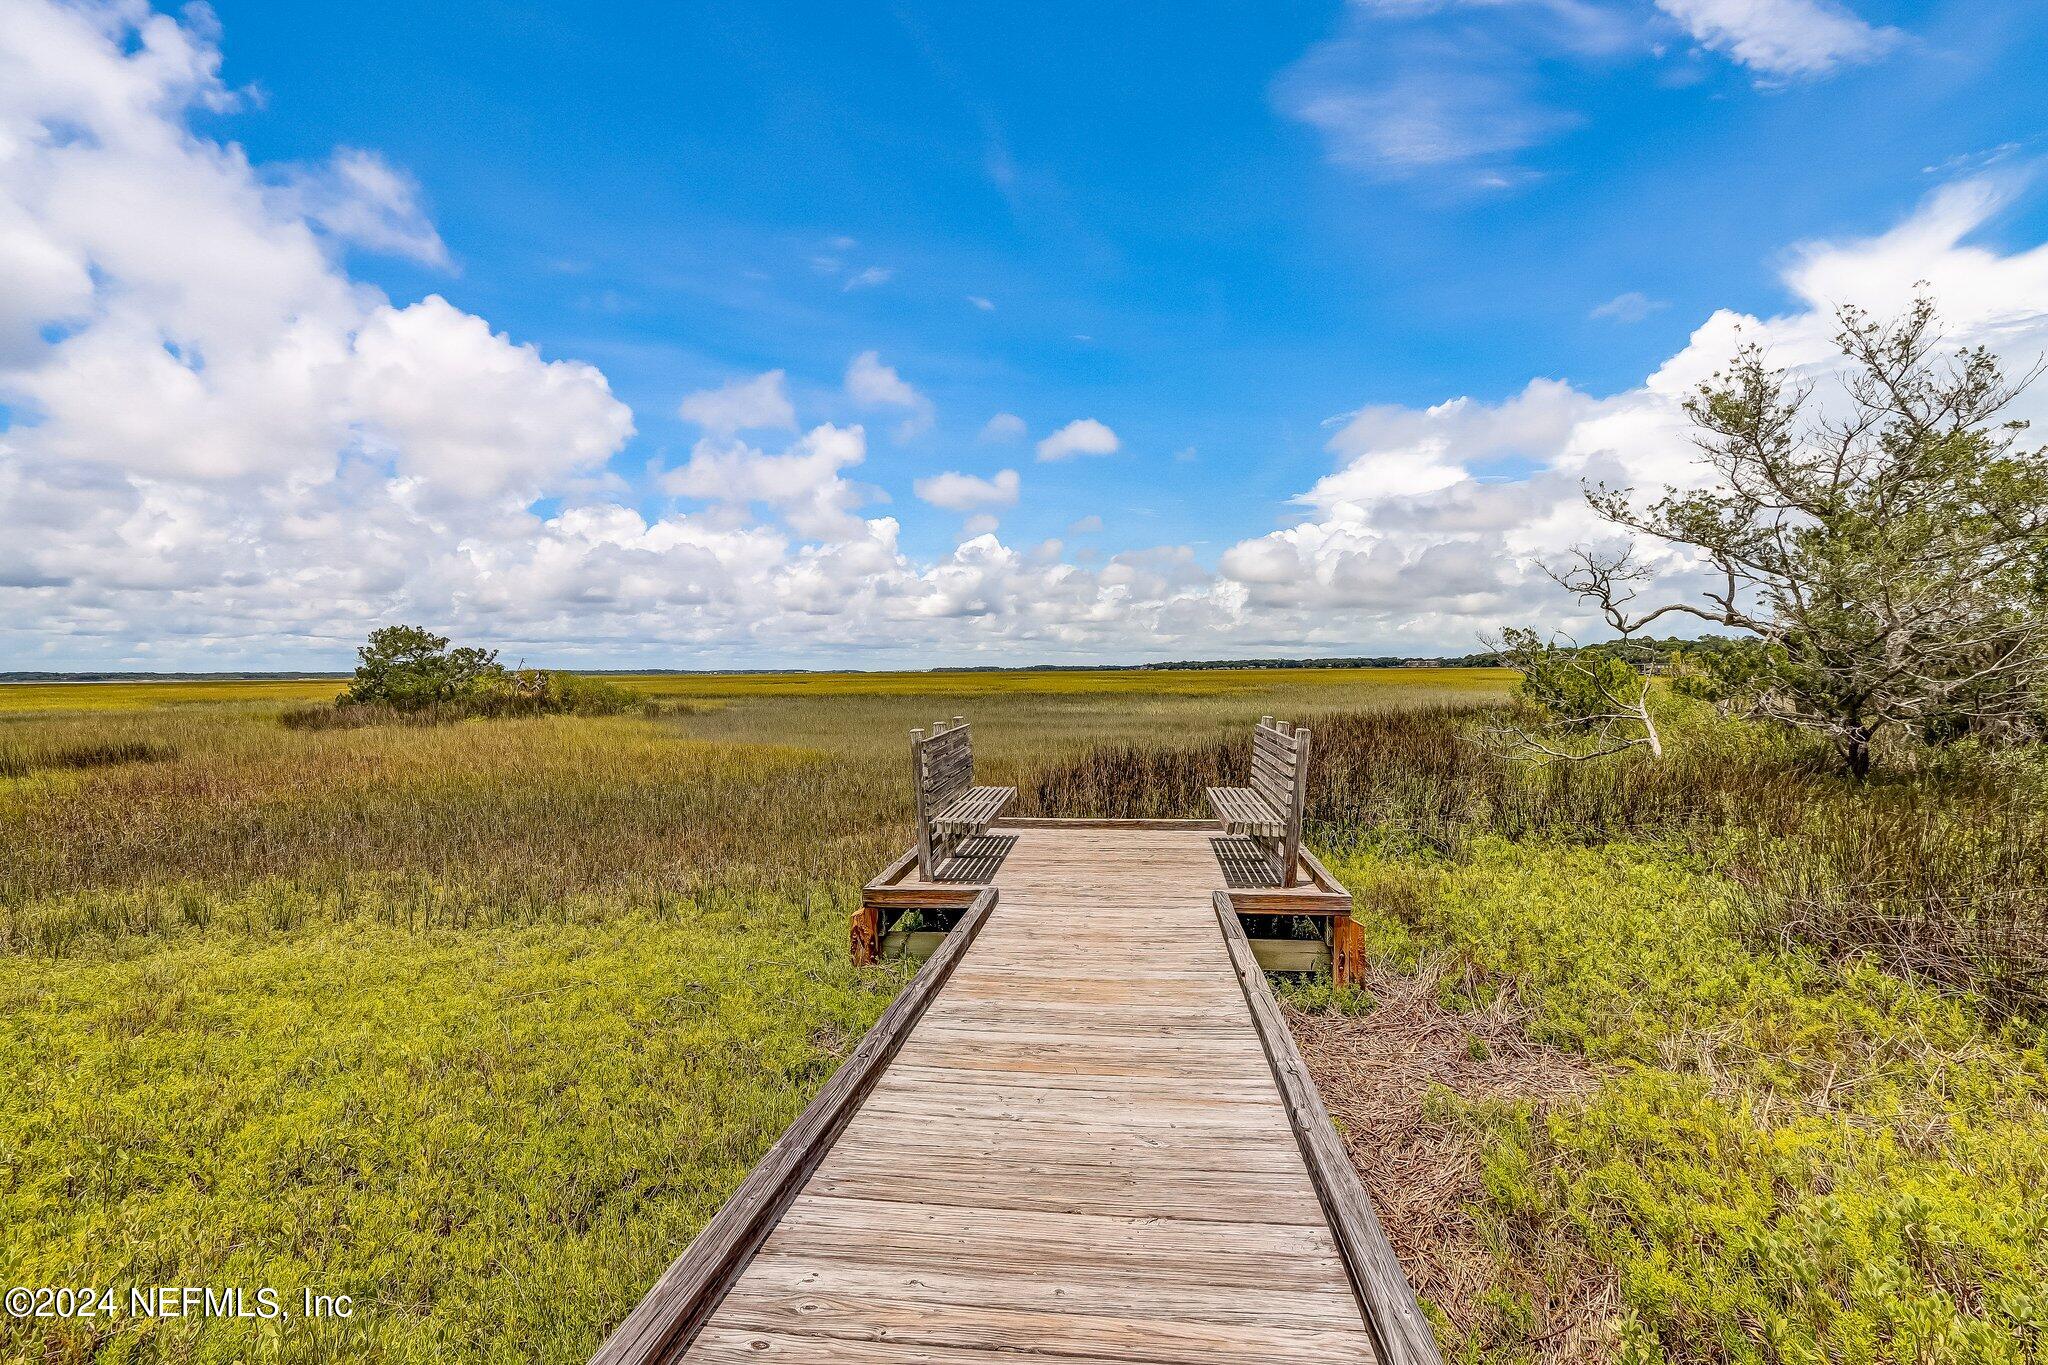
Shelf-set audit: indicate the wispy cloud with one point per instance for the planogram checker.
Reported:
(872, 384)
(1456, 91)
(357, 196)
(1445, 87)
(1004, 426)
(1783, 40)
(1630, 307)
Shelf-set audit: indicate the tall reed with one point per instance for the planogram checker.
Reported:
(1943, 875)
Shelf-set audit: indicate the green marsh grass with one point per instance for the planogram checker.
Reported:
(1820, 1014)
(476, 1023)
(479, 1022)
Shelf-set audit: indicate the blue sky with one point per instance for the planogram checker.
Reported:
(1218, 231)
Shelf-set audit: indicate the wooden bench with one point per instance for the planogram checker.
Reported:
(950, 808)
(1269, 810)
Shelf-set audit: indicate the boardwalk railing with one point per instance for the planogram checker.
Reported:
(664, 1323)
(1391, 1313)
(1085, 1133)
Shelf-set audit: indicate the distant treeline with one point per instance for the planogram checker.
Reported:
(1484, 659)
(1487, 660)
(291, 675)
(1387, 661)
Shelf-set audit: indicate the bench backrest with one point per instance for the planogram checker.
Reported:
(1280, 777)
(941, 767)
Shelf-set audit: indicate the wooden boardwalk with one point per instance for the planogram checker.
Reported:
(1082, 1150)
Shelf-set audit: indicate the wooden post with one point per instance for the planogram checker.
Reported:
(1290, 853)
(1347, 951)
(865, 935)
(924, 828)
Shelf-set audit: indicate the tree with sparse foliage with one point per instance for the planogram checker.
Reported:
(410, 669)
(1580, 703)
(1890, 558)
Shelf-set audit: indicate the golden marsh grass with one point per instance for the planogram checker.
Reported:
(478, 1022)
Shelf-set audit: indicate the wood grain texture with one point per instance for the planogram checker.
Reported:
(1399, 1330)
(947, 805)
(1270, 810)
(1080, 1152)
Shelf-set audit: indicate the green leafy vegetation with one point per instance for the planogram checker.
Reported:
(1789, 1159)
(1818, 1010)
(1889, 556)
(477, 1024)
(489, 1141)
(409, 675)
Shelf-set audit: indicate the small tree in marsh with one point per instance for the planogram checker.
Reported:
(409, 669)
(1588, 703)
(1892, 560)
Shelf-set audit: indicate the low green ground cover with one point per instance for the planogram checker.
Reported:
(476, 1023)
(492, 1142)
(1789, 1158)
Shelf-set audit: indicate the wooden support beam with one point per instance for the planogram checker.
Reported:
(1391, 1313)
(1347, 952)
(864, 934)
(1302, 955)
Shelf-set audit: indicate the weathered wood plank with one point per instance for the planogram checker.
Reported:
(1081, 1153)
(1152, 1338)
(1398, 1327)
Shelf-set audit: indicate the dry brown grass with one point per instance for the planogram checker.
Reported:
(1384, 1076)
(1942, 874)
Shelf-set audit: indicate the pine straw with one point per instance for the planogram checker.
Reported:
(1376, 1073)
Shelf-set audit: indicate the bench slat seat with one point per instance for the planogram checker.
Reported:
(973, 811)
(1243, 811)
(1269, 810)
(950, 808)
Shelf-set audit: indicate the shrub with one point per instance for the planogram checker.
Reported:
(1942, 875)
(409, 669)
(408, 675)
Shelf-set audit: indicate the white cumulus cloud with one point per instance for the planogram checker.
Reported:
(218, 448)
(960, 492)
(1083, 437)
(1435, 519)
(803, 483)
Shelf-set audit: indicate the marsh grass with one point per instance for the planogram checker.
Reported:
(20, 761)
(479, 1021)
(1789, 1157)
(476, 1022)
(1941, 874)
